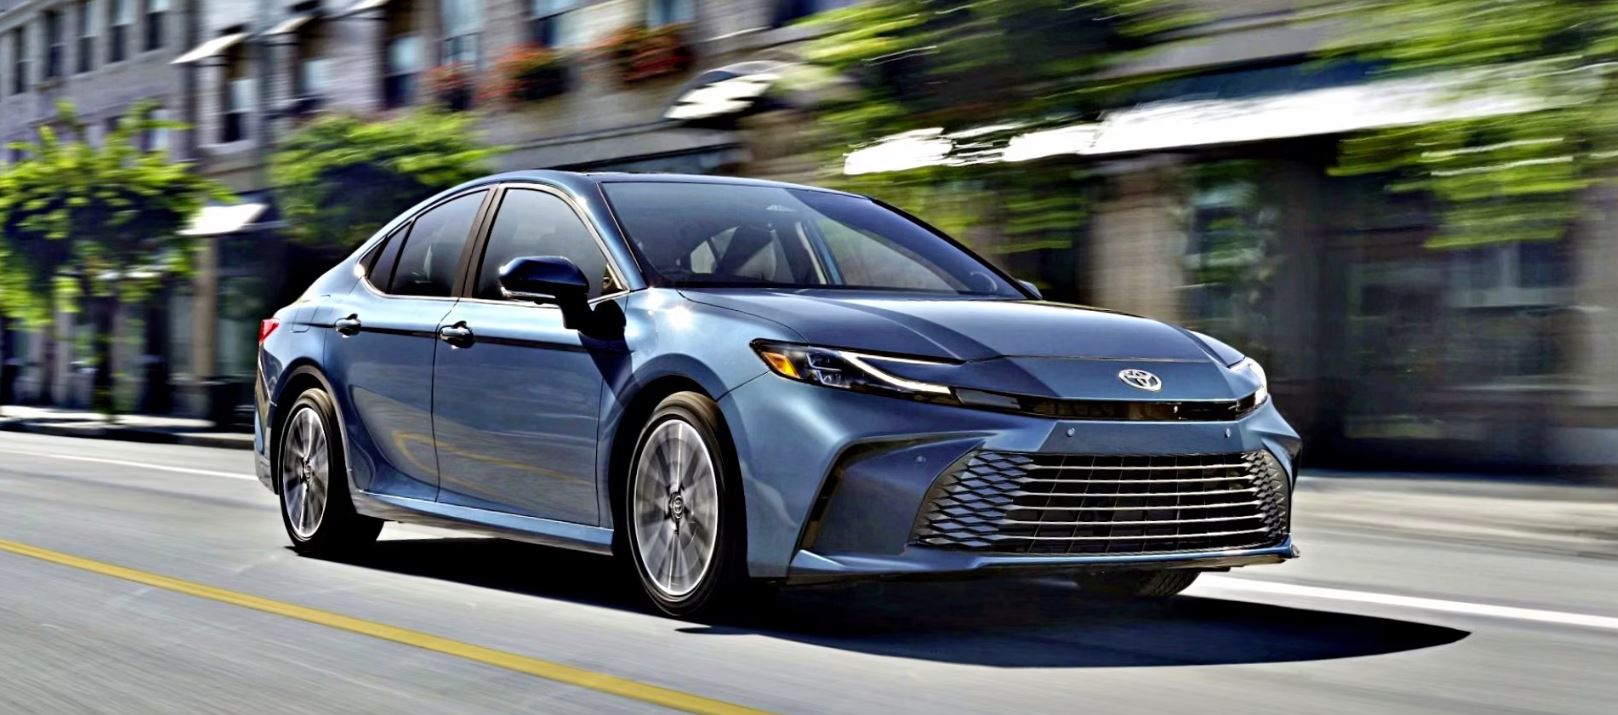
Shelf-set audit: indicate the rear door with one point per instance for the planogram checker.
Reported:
(382, 359)
(516, 408)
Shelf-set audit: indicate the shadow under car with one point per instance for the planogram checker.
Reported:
(1040, 623)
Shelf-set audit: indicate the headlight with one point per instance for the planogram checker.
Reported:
(1251, 368)
(845, 370)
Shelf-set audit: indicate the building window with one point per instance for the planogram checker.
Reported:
(401, 55)
(156, 138)
(403, 66)
(310, 71)
(669, 12)
(122, 14)
(237, 99)
(462, 22)
(550, 24)
(19, 60)
(87, 35)
(156, 18)
(787, 11)
(55, 44)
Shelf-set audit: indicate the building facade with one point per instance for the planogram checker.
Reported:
(1210, 205)
(242, 73)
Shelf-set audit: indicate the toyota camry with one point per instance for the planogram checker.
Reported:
(734, 384)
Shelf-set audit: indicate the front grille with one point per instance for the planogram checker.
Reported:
(1025, 503)
(1113, 410)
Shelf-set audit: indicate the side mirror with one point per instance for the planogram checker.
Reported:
(549, 279)
(1033, 289)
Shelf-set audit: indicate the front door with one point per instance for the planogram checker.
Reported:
(517, 396)
(381, 354)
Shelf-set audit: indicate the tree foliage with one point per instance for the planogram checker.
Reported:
(340, 178)
(978, 74)
(93, 214)
(84, 226)
(1510, 177)
(925, 63)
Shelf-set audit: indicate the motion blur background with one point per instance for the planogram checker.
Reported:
(1400, 208)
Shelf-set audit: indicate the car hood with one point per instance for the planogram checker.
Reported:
(960, 329)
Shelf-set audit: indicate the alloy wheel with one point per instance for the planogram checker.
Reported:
(305, 472)
(676, 508)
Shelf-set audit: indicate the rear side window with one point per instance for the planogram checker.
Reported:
(431, 253)
(534, 223)
(383, 261)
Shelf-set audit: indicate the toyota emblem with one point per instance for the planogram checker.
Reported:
(1141, 380)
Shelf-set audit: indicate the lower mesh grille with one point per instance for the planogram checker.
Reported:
(1025, 503)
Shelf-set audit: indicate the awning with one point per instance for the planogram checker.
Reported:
(729, 91)
(1186, 124)
(221, 220)
(291, 24)
(362, 6)
(210, 49)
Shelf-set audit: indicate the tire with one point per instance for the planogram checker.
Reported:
(686, 538)
(1137, 584)
(312, 480)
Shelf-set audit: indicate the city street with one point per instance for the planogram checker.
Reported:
(157, 578)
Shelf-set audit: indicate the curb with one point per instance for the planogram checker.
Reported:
(222, 440)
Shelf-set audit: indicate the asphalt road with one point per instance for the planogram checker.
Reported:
(1365, 622)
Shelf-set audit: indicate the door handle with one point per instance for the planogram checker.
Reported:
(457, 335)
(347, 326)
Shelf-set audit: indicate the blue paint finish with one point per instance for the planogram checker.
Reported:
(959, 328)
(515, 413)
(384, 380)
(515, 434)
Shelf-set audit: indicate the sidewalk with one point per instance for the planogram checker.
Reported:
(132, 428)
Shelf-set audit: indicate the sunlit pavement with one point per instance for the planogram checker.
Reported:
(1370, 620)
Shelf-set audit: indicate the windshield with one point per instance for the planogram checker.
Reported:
(727, 235)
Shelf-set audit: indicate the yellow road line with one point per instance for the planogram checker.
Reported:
(548, 670)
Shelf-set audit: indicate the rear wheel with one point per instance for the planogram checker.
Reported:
(683, 522)
(316, 508)
(1137, 584)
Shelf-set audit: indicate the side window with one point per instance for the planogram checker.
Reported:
(432, 251)
(382, 261)
(534, 223)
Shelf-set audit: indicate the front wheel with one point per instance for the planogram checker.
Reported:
(316, 509)
(683, 511)
(1136, 584)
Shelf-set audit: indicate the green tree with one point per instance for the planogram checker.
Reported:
(976, 75)
(1511, 177)
(339, 178)
(91, 227)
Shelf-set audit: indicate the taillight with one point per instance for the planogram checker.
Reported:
(267, 326)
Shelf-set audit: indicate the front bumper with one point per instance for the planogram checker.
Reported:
(922, 562)
(834, 481)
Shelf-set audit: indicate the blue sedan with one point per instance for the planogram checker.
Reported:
(736, 384)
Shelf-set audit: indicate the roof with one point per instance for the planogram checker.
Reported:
(578, 180)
